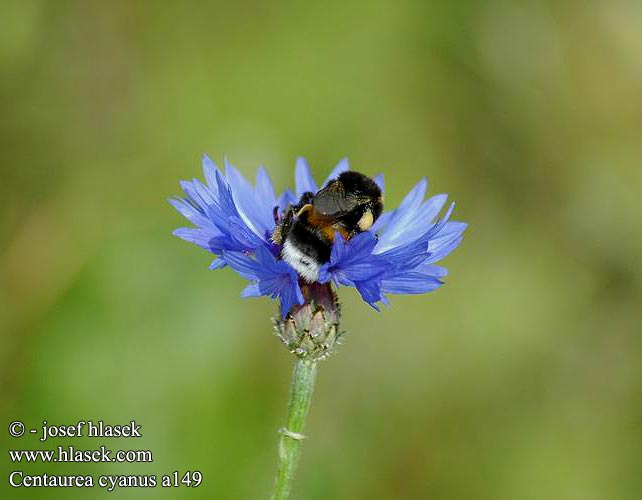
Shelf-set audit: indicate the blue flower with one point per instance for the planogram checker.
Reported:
(235, 220)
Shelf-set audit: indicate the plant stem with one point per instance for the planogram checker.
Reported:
(303, 376)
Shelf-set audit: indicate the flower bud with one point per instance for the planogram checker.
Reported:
(311, 330)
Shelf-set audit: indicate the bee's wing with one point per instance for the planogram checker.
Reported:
(332, 200)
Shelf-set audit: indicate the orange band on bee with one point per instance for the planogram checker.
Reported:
(327, 225)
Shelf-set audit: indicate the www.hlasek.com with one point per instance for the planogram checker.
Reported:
(70, 454)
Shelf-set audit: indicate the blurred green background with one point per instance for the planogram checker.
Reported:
(520, 379)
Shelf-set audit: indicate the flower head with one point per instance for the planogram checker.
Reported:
(236, 221)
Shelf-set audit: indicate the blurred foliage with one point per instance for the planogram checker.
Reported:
(521, 378)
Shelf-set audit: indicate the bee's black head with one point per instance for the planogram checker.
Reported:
(359, 184)
(370, 204)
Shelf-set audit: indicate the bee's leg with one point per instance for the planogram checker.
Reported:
(283, 226)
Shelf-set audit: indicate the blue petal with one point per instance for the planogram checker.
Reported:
(446, 241)
(243, 264)
(409, 222)
(287, 198)
(244, 236)
(251, 290)
(209, 171)
(211, 207)
(266, 199)
(431, 208)
(450, 231)
(418, 246)
(228, 220)
(404, 257)
(429, 269)
(189, 190)
(303, 179)
(290, 296)
(412, 250)
(338, 251)
(414, 198)
(269, 265)
(441, 223)
(379, 181)
(264, 188)
(201, 237)
(200, 198)
(411, 282)
(353, 261)
(271, 277)
(225, 204)
(217, 263)
(401, 216)
(258, 217)
(381, 222)
(410, 269)
(271, 286)
(191, 212)
(203, 193)
(370, 291)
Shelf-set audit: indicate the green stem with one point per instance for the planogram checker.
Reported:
(303, 377)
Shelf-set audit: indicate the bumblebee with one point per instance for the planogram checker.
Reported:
(347, 205)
